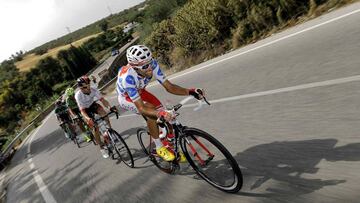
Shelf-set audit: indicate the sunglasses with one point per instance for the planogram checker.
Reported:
(145, 67)
(84, 87)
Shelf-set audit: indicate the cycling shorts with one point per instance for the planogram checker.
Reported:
(64, 117)
(77, 112)
(92, 110)
(126, 103)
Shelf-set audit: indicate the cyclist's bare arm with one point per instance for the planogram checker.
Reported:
(174, 89)
(105, 103)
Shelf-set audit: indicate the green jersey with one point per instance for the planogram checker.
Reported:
(71, 103)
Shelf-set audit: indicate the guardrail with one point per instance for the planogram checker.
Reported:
(6, 154)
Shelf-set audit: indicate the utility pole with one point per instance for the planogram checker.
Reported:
(68, 29)
(109, 9)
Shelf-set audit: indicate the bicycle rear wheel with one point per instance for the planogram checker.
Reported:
(148, 146)
(211, 160)
(121, 148)
(76, 141)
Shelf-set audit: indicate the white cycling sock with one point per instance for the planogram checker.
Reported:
(158, 143)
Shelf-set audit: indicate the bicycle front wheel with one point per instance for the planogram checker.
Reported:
(121, 148)
(211, 160)
(148, 146)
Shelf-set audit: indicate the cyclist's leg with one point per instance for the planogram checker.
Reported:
(72, 127)
(96, 134)
(100, 110)
(90, 111)
(79, 123)
(63, 123)
(149, 101)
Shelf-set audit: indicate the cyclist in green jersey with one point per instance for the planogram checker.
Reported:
(74, 110)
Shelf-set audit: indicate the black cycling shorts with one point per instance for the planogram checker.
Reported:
(77, 112)
(93, 109)
(64, 117)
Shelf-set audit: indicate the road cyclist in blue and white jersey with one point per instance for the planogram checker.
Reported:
(133, 96)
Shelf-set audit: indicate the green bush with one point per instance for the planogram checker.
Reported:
(200, 24)
(160, 41)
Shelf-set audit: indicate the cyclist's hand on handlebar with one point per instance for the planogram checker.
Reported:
(113, 109)
(198, 93)
(166, 115)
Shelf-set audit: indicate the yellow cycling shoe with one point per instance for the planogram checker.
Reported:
(165, 154)
(182, 158)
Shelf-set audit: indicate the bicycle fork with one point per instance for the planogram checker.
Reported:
(196, 154)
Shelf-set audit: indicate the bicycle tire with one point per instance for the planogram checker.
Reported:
(149, 148)
(130, 161)
(238, 178)
(76, 141)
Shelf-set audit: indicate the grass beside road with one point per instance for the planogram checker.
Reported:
(31, 60)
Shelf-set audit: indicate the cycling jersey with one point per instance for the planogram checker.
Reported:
(71, 103)
(84, 101)
(129, 82)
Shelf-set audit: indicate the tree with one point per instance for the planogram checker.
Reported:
(104, 25)
(8, 70)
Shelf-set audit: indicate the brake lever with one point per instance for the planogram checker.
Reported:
(208, 103)
(113, 109)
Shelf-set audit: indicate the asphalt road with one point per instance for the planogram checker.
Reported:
(286, 107)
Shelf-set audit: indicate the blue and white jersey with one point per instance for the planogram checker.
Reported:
(129, 82)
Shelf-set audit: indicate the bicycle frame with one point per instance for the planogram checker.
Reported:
(178, 129)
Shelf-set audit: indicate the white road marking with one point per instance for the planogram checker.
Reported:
(276, 91)
(287, 89)
(48, 197)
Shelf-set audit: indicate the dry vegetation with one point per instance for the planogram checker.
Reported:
(31, 60)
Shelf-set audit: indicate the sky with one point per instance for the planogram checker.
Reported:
(26, 24)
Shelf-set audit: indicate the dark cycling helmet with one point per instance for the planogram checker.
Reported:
(83, 80)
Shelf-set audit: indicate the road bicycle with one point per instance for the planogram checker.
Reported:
(205, 154)
(69, 132)
(115, 144)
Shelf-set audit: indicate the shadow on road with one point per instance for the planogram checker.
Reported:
(130, 132)
(286, 162)
(50, 143)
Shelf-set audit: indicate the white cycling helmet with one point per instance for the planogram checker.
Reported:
(138, 54)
